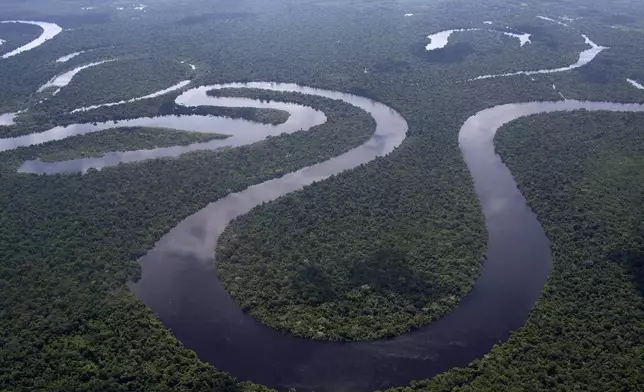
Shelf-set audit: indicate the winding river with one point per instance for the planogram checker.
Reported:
(180, 284)
(243, 132)
(585, 57)
(179, 281)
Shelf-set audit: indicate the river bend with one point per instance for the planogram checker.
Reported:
(180, 283)
(49, 31)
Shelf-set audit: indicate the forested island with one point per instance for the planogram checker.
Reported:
(121, 139)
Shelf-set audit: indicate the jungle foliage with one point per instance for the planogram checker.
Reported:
(315, 263)
(69, 243)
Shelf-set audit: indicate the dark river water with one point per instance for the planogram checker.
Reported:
(179, 281)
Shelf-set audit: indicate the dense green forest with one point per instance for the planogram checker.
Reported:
(314, 262)
(583, 175)
(69, 243)
(113, 81)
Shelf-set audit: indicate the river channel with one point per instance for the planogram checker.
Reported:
(180, 283)
(179, 280)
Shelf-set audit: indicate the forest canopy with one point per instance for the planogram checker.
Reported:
(69, 243)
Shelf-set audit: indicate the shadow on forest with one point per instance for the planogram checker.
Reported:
(17, 29)
(597, 75)
(632, 257)
(384, 271)
(387, 270)
(392, 66)
(633, 260)
(363, 92)
(599, 71)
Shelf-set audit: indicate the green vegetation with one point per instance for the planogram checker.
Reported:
(264, 116)
(121, 139)
(308, 263)
(315, 263)
(583, 175)
(68, 244)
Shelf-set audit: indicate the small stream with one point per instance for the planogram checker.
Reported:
(64, 79)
